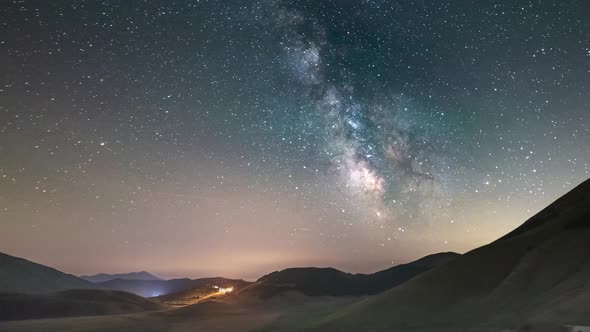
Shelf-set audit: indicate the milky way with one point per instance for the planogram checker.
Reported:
(381, 158)
(194, 138)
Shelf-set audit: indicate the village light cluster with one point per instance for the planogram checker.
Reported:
(224, 290)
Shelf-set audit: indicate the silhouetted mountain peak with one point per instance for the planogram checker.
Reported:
(20, 275)
(295, 273)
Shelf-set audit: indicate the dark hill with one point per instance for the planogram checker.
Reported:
(23, 276)
(17, 306)
(537, 275)
(328, 281)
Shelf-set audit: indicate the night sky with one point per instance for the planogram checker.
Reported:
(234, 138)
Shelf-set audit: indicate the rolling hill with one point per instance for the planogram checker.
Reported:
(537, 275)
(23, 276)
(104, 277)
(18, 306)
(313, 281)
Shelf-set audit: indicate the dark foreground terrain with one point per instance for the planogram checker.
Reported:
(18, 306)
(538, 275)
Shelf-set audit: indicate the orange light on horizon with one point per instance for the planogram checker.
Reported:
(226, 290)
(223, 290)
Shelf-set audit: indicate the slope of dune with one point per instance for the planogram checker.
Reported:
(537, 275)
(20, 275)
(18, 306)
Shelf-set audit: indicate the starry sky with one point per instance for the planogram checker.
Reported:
(200, 138)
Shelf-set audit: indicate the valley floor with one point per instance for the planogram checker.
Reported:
(207, 316)
(273, 316)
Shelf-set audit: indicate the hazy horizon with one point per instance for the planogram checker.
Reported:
(193, 139)
(257, 272)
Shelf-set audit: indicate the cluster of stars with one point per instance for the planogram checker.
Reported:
(335, 129)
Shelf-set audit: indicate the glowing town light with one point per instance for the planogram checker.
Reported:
(226, 290)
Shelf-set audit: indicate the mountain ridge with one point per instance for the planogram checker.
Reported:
(21, 275)
(535, 275)
(328, 281)
(104, 277)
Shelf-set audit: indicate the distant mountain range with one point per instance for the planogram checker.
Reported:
(538, 274)
(154, 288)
(30, 291)
(21, 275)
(536, 278)
(103, 277)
